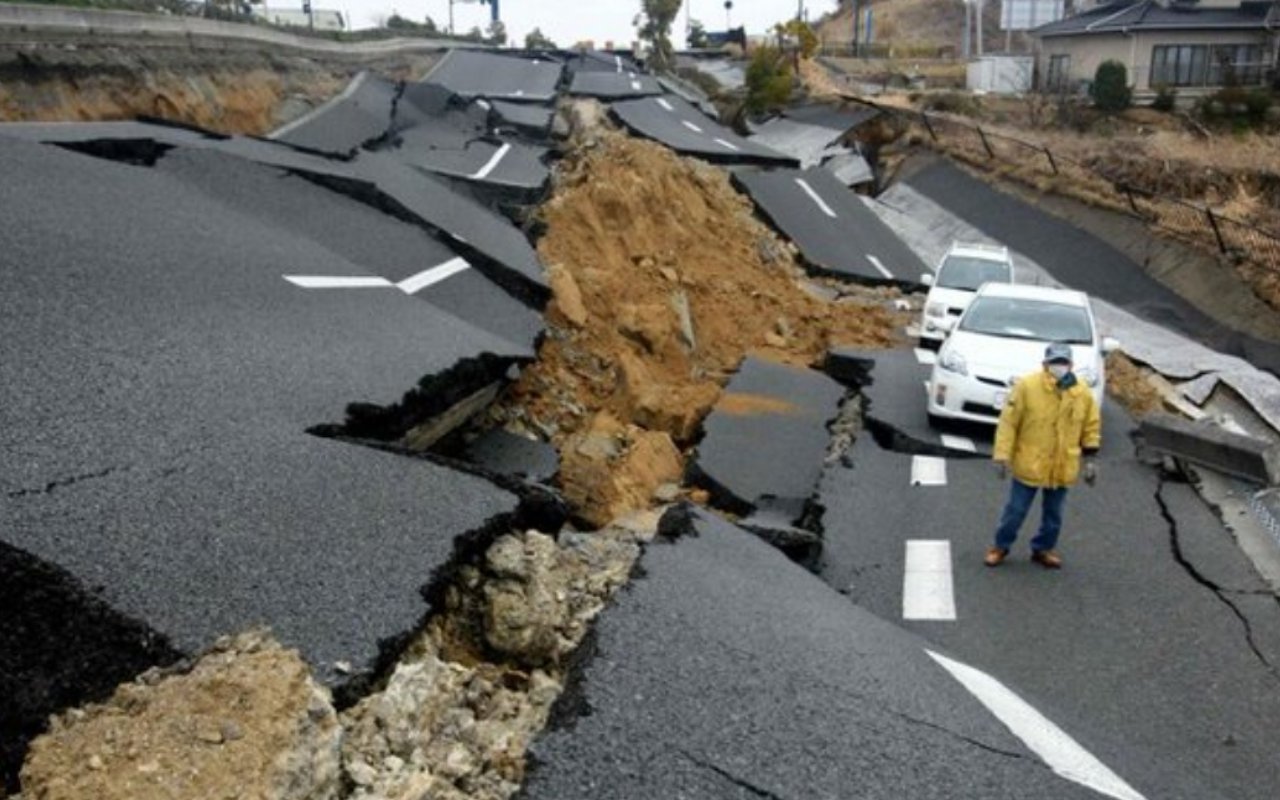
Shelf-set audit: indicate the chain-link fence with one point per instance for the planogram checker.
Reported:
(1244, 243)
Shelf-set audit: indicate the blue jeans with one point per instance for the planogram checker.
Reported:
(1021, 496)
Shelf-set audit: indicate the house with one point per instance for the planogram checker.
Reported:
(1192, 46)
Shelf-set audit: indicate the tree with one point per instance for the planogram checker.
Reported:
(655, 21)
(537, 40)
(697, 35)
(768, 80)
(473, 35)
(496, 33)
(803, 34)
(430, 26)
(1110, 90)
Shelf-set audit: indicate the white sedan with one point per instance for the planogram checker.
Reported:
(1002, 336)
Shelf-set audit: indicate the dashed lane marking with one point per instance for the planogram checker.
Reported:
(338, 282)
(928, 471)
(926, 356)
(691, 126)
(875, 262)
(635, 86)
(815, 197)
(416, 283)
(928, 591)
(728, 145)
(665, 104)
(488, 168)
(959, 443)
(1059, 751)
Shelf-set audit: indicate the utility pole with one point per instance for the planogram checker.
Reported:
(978, 22)
(968, 27)
(857, 15)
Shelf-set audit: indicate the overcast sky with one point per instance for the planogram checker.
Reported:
(568, 21)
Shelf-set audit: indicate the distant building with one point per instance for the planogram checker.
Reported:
(1193, 46)
(320, 19)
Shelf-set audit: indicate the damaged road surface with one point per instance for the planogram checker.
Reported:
(1157, 644)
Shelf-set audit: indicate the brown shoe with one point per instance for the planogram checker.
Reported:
(995, 556)
(1049, 559)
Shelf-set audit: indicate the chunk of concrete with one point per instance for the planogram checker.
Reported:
(1209, 445)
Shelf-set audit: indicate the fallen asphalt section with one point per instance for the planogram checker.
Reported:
(360, 114)
(836, 233)
(725, 671)
(613, 85)
(470, 74)
(678, 125)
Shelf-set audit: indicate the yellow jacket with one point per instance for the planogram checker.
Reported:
(1043, 430)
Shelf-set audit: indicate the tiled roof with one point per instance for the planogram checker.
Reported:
(1122, 16)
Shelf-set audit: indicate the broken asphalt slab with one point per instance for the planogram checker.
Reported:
(678, 125)
(471, 74)
(726, 671)
(527, 117)
(1110, 638)
(765, 440)
(360, 114)
(160, 380)
(613, 85)
(836, 233)
(445, 147)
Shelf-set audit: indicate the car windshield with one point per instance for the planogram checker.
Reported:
(1021, 318)
(964, 272)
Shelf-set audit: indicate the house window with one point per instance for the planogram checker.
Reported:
(1059, 73)
(1206, 65)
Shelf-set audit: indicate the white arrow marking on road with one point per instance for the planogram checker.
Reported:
(1062, 753)
(338, 282)
(493, 163)
(416, 283)
(691, 126)
(928, 591)
(665, 104)
(815, 197)
(959, 443)
(926, 357)
(928, 471)
(875, 262)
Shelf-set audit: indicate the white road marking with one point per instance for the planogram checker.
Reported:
(926, 357)
(691, 126)
(875, 262)
(618, 60)
(338, 282)
(484, 171)
(959, 443)
(306, 118)
(928, 591)
(665, 104)
(416, 283)
(928, 471)
(815, 197)
(484, 104)
(635, 86)
(1059, 751)
(728, 145)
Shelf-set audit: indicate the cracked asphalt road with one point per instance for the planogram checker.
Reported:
(1156, 645)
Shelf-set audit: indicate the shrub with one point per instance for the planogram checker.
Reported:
(953, 103)
(1110, 90)
(768, 80)
(1166, 98)
(1257, 104)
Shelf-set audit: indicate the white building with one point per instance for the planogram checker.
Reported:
(295, 16)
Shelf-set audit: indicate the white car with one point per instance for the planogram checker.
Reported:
(1001, 337)
(960, 274)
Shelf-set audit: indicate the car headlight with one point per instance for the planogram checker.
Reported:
(935, 310)
(952, 361)
(1088, 375)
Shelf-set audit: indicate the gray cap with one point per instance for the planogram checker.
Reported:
(1058, 351)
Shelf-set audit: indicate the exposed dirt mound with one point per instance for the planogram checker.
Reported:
(1130, 384)
(663, 280)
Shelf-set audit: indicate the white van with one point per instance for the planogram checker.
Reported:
(960, 274)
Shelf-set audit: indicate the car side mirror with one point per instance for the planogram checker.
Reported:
(927, 279)
(1110, 345)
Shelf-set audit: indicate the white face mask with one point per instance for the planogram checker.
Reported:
(1059, 371)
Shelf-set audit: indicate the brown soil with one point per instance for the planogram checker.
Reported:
(1130, 385)
(749, 405)
(663, 280)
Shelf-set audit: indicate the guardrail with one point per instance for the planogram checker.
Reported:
(1243, 243)
(88, 22)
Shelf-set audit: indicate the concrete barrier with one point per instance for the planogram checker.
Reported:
(89, 21)
(1208, 445)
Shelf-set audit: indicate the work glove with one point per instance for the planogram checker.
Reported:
(1089, 472)
(1002, 469)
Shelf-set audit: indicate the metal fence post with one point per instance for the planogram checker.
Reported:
(1052, 164)
(1213, 223)
(990, 153)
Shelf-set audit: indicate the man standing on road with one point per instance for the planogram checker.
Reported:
(1048, 423)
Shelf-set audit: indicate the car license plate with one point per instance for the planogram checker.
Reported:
(1001, 397)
